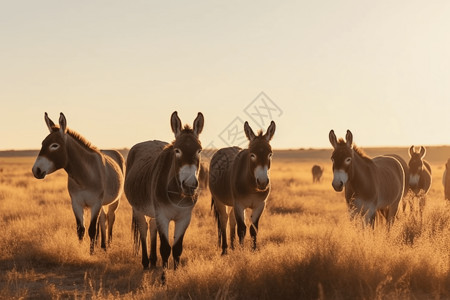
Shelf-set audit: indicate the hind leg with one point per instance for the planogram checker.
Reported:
(101, 229)
(153, 242)
(232, 226)
(140, 228)
(95, 212)
(222, 220)
(111, 216)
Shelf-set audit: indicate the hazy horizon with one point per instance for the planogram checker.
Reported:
(118, 70)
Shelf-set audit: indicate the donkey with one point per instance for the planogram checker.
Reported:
(239, 179)
(419, 178)
(317, 172)
(161, 183)
(95, 177)
(371, 185)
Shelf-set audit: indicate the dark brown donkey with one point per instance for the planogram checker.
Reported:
(239, 179)
(95, 177)
(161, 184)
(419, 178)
(371, 185)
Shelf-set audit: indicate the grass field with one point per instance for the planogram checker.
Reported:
(308, 248)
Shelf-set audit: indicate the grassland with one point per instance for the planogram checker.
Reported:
(308, 248)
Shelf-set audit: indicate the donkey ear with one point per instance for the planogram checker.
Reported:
(270, 131)
(49, 123)
(411, 151)
(332, 138)
(175, 122)
(248, 131)
(423, 151)
(62, 123)
(198, 124)
(349, 138)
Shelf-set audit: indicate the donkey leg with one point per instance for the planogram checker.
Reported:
(240, 220)
(79, 216)
(162, 223)
(232, 226)
(180, 229)
(256, 214)
(95, 211)
(153, 239)
(222, 219)
(140, 227)
(101, 228)
(111, 217)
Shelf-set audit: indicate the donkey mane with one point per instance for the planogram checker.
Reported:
(79, 138)
(355, 148)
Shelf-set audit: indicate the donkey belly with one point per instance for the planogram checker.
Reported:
(391, 180)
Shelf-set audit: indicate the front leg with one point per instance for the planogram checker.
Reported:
(240, 220)
(180, 229)
(78, 212)
(256, 214)
(162, 224)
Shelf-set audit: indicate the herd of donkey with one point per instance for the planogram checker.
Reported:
(161, 183)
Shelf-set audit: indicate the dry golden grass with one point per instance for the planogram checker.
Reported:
(308, 249)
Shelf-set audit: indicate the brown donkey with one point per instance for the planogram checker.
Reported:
(161, 183)
(419, 178)
(95, 177)
(371, 185)
(239, 179)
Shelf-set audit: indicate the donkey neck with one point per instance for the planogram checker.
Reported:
(361, 175)
(81, 161)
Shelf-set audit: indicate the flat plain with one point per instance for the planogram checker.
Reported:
(307, 246)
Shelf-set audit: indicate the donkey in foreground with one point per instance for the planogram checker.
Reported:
(239, 179)
(95, 177)
(371, 185)
(419, 178)
(161, 183)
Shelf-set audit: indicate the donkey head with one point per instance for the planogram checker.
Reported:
(187, 148)
(342, 159)
(53, 154)
(260, 154)
(415, 164)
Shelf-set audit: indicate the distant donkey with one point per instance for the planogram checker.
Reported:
(419, 178)
(317, 172)
(446, 180)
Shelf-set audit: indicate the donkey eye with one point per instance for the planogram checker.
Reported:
(270, 156)
(54, 146)
(199, 151)
(178, 152)
(348, 160)
(253, 156)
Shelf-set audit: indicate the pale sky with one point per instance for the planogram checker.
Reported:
(118, 69)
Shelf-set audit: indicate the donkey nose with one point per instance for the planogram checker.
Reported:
(262, 184)
(339, 186)
(37, 172)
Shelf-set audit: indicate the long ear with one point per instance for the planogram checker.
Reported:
(62, 124)
(198, 124)
(411, 151)
(423, 151)
(270, 131)
(349, 138)
(175, 122)
(248, 131)
(49, 123)
(332, 138)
